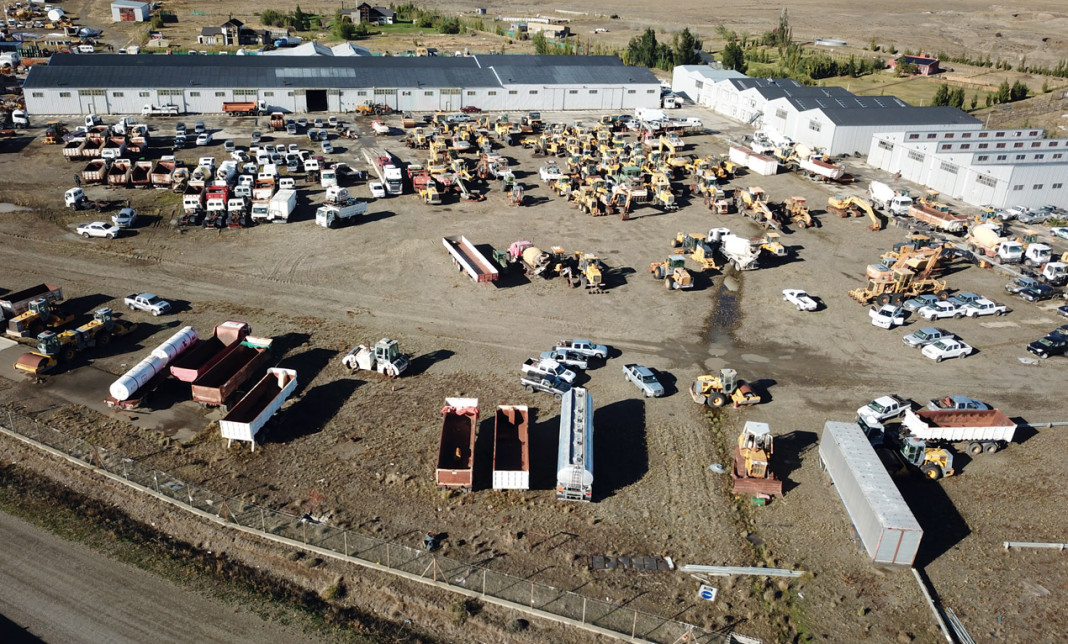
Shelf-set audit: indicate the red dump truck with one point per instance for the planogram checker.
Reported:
(248, 108)
(221, 381)
(937, 216)
(456, 454)
(206, 353)
(15, 304)
(511, 448)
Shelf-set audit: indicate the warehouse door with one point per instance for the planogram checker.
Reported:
(316, 100)
(126, 14)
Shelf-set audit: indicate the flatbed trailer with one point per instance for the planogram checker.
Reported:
(468, 258)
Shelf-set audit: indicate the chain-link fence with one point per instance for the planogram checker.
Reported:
(348, 543)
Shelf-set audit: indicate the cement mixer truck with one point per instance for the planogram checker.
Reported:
(984, 241)
(890, 200)
(133, 388)
(742, 252)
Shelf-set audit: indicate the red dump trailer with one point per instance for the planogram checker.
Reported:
(511, 448)
(456, 454)
(204, 355)
(216, 386)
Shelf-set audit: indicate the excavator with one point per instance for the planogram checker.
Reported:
(673, 272)
(752, 472)
(53, 348)
(796, 209)
(715, 391)
(910, 275)
(697, 248)
(848, 205)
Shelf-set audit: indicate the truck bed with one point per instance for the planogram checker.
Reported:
(511, 455)
(456, 453)
(229, 373)
(962, 425)
(469, 259)
(253, 411)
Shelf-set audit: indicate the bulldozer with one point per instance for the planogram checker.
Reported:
(796, 210)
(385, 358)
(40, 314)
(846, 206)
(673, 272)
(53, 348)
(697, 248)
(715, 391)
(752, 472)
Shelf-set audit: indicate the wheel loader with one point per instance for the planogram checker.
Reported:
(39, 314)
(909, 453)
(673, 272)
(715, 391)
(752, 473)
(694, 245)
(584, 270)
(796, 210)
(385, 358)
(54, 348)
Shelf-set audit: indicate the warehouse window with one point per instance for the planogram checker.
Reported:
(220, 94)
(781, 114)
(1058, 155)
(449, 91)
(386, 92)
(406, 93)
(1052, 144)
(572, 91)
(1036, 144)
(289, 93)
(965, 146)
(650, 91)
(492, 92)
(983, 146)
(814, 126)
(949, 135)
(945, 146)
(37, 94)
(194, 94)
(118, 94)
(915, 156)
(64, 94)
(1058, 186)
(998, 135)
(512, 92)
(1017, 145)
(932, 135)
(698, 84)
(982, 157)
(143, 94)
(429, 92)
(1039, 157)
(632, 91)
(1033, 133)
(886, 145)
(966, 135)
(593, 91)
(1021, 157)
(987, 181)
(470, 93)
(913, 137)
(1037, 186)
(533, 91)
(1000, 146)
(982, 135)
(1017, 187)
(268, 93)
(1001, 157)
(948, 167)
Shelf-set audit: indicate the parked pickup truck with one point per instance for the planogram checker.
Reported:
(584, 347)
(543, 367)
(883, 408)
(644, 379)
(567, 357)
(983, 306)
(148, 302)
(548, 384)
(926, 336)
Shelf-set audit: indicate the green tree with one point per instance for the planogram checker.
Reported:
(300, 19)
(1019, 91)
(975, 101)
(783, 35)
(941, 95)
(685, 47)
(450, 25)
(989, 100)
(1003, 93)
(956, 97)
(541, 44)
(1045, 86)
(733, 57)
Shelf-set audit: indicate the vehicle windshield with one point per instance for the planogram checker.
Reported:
(923, 335)
(941, 344)
(648, 378)
(152, 299)
(876, 407)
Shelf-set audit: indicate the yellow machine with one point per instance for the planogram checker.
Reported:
(752, 472)
(796, 209)
(40, 314)
(673, 272)
(753, 202)
(430, 195)
(771, 244)
(52, 348)
(694, 245)
(715, 391)
(583, 270)
(911, 274)
(847, 205)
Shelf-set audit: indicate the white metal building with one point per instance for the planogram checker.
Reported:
(130, 11)
(113, 84)
(691, 81)
(999, 168)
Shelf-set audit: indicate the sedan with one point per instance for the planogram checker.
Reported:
(1038, 293)
(643, 379)
(179, 128)
(800, 299)
(318, 122)
(947, 348)
(327, 147)
(228, 145)
(204, 138)
(940, 310)
(257, 136)
(470, 109)
(98, 229)
(179, 142)
(332, 121)
(1063, 310)
(293, 148)
(302, 122)
(199, 127)
(1059, 231)
(126, 218)
(291, 128)
(918, 302)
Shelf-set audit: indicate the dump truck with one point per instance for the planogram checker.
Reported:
(162, 174)
(245, 108)
(206, 353)
(133, 388)
(574, 463)
(96, 171)
(141, 174)
(466, 257)
(937, 216)
(456, 452)
(984, 430)
(880, 517)
(752, 473)
(217, 384)
(252, 412)
(278, 121)
(15, 304)
(511, 448)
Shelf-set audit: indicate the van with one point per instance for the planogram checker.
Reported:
(86, 49)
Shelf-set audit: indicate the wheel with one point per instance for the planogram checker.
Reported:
(975, 448)
(155, 314)
(558, 396)
(110, 236)
(717, 400)
(957, 316)
(990, 448)
(938, 359)
(998, 313)
(942, 295)
(68, 354)
(103, 340)
(529, 389)
(932, 471)
(896, 299)
(648, 395)
(669, 283)
(131, 307)
(883, 299)
(85, 235)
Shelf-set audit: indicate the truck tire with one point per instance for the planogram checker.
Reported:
(931, 471)
(975, 448)
(85, 235)
(942, 295)
(991, 447)
(103, 340)
(669, 283)
(938, 359)
(717, 400)
(529, 389)
(131, 307)
(558, 396)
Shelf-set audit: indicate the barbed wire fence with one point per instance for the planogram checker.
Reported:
(525, 595)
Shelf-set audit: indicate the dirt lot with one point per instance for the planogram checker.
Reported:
(368, 450)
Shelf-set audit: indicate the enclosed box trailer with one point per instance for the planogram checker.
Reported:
(883, 521)
(253, 411)
(511, 448)
(574, 463)
(456, 452)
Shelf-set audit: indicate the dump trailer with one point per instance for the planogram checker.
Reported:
(942, 220)
(984, 430)
(456, 452)
(200, 358)
(881, 519)
(162, 174)
(574, 463)
(252, 412)
(466, 257)
(218, 383)
(248, 108)
(96, 171)
(15, 304)
(511, 448)
(132, 389)
(758, 163)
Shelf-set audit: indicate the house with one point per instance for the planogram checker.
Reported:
(211, 36)
(232, 33)
(129, 11)
(366, 14)
(925, 66)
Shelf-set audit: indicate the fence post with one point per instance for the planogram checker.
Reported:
(583, 609)
(346, 535)
(387, 556)
(125, 474)
(263, 521)
(532, 594)
(484, 571)
(155, 477)
(304, 532)
(634, 624)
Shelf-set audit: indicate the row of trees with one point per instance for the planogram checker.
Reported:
(296, 19)
(646, 50)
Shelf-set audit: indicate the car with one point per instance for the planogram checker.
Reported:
(586, 348)
(547, 384)
(470, 109)
(1054, 344)
(956, 403)
(313, 134)
(269, 148)
(947, 348)
(98, 229)
(199, 127)
(293, 163)
(204, 138)
(459, 118)
(293, 148)
(125, 218)
(1063, 310)
(1033, 217)
(983, 306)
(548, 367)
(916, 303)
(800, 299)
(1020, 283)
(966, 297)
(378, 191)
(883, 408)
(332, 121)
(939, 310)
(926, 336)
(1039, 293)
(1059, 231)
(179, 128)
(567, 358)
(147, 302)
(240, 156)
(644, 379)
(257, 136)
(179, 142)
(291, 128)
(344, 170)
(886, 316)
(228, 145)
(326, 147)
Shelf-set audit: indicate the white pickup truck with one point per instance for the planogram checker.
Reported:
(545, 367)
(148, 302)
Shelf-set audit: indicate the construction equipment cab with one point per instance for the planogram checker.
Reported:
(715, 391)
(385, 358)
(673, 272)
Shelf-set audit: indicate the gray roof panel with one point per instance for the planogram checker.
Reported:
(903, 116)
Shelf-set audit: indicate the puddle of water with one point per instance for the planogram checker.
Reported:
(10, 207)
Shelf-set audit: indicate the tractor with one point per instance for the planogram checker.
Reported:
(715, 391)
(673, 272)
(385, 358)
(796, 210)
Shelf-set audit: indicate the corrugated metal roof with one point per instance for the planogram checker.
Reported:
(163, 71)
(900, 116)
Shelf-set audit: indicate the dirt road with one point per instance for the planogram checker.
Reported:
(61, 591)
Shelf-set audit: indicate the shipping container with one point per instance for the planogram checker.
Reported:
(881, 518)
(511, 448)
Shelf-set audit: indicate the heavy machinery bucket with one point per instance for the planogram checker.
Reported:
(770, 486)
(33, 363)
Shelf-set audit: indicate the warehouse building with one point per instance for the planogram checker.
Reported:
(113, 84)
(695, 81)
(998, 168)
(830, 118)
